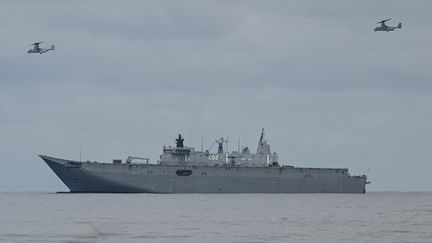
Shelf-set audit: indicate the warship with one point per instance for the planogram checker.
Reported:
(182, 169)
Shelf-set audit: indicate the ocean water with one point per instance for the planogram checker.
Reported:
(64, 217)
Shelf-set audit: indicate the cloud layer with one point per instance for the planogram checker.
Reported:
(126, 77)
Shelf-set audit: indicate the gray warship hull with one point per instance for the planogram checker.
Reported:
(83, 177)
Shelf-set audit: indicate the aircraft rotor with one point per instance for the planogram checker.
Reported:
(383, 21)
(36, 43)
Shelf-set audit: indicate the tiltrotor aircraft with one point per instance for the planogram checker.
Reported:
(385, 27)
(37, 49)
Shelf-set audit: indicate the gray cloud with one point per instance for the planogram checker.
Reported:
(127, 77)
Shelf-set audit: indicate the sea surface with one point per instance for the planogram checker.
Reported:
(65, 217)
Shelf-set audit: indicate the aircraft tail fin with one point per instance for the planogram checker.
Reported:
(52, 47)
(400, 26)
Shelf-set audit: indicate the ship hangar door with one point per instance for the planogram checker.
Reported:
(172, 186)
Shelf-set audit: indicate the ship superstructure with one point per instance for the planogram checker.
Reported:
(183, 155)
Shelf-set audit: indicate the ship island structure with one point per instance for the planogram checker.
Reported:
(182, 169)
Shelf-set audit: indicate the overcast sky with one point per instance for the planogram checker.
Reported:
(128, 76)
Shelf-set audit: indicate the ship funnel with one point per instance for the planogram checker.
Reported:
(220, 143)
(179, 141)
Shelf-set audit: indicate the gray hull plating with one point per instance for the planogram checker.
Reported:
(156, 178)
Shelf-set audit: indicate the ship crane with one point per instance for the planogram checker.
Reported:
(130, 158)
